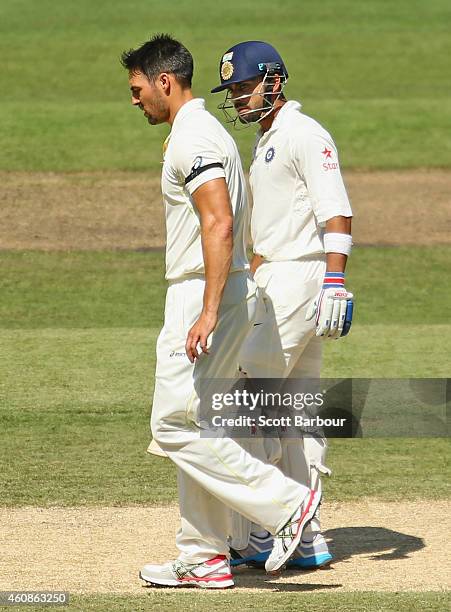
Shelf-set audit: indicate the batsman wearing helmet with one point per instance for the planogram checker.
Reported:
(301, 235)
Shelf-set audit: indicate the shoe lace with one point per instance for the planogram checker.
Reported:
(287, 531)
(182, 569)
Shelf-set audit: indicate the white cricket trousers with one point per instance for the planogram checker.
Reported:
(214, 474)
(283, 345)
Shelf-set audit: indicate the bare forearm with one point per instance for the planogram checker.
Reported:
(217, 244)
(336, 262)
(216, 226)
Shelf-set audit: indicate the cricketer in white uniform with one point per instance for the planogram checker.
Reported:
(210, 303)
(301, 238)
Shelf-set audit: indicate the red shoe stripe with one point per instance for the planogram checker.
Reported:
(207, 578)
(215, 560)
(309, 503)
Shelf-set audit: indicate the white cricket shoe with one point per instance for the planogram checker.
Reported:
(212, 574)
(288, 538)
(311, 554)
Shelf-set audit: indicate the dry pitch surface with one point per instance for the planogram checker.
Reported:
(378, 547)
(123, 210)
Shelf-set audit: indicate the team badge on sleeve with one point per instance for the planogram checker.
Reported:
(270, 154)
(227, 70)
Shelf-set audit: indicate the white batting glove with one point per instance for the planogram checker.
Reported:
(333, 307)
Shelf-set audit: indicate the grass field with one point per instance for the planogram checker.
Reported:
(78, 333)
(372, 72)
(78, 328)
(309, 602)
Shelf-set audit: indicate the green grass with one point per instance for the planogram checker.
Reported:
(74, 415)
(393, 286)
(81, 289)
(303, 600)
(78, 330)
(372, 72)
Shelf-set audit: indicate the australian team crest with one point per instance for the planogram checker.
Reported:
(226, 70)
(270, 154)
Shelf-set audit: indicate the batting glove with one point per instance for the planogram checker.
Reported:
(333, 307)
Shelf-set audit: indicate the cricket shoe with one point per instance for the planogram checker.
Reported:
(256, 553)
(311, 554)
(308, 555)
(212, 574)
(288, 538)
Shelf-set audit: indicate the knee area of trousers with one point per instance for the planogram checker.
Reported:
(168, 430)
(160, 431)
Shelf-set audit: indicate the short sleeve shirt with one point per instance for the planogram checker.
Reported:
(296, 186)
(199, 150)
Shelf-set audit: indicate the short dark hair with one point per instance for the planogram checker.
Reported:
(162, 53)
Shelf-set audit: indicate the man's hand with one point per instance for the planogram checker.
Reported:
(257, 261)
(199, 334)
(333, 308)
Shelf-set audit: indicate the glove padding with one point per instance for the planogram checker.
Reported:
(333, 308)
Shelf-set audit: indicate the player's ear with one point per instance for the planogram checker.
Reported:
(164, 82)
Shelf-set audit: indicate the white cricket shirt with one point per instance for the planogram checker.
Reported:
(198, 140)
(296, 187)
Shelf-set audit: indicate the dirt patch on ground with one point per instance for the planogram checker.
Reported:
(377, 546)
(123, 210)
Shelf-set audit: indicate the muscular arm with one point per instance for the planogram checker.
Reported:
(336, 262)
(213, 203)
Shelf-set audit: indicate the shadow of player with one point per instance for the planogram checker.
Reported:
(384, 544)
(345, 542)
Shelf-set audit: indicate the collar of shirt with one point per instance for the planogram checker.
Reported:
(184, 110)
(289, 106)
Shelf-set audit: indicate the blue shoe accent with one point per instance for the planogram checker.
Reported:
(312, 562)
(256, 558)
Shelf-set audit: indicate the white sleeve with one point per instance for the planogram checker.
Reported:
(316, 159)
(197, 159)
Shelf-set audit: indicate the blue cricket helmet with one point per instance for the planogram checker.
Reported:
(248, 60)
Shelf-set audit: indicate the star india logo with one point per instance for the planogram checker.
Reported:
(328, 155)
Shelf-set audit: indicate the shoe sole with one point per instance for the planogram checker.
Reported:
(314, 562)
(202, 584)
(311, 563)
(306, 517)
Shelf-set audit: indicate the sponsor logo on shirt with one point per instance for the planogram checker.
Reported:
(329, 165)
(177, 354)
(270, 154)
